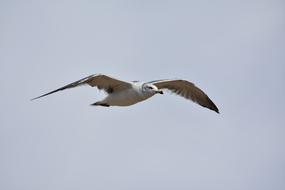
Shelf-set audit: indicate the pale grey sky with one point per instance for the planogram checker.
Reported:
(234, 50)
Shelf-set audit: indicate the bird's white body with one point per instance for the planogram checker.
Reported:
(127, 97)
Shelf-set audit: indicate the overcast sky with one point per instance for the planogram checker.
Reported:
(233, 49)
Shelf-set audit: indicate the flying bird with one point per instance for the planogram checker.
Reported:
(122, 93)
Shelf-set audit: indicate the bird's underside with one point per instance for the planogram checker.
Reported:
(121, 93)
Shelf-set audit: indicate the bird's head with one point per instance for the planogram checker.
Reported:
(150, 88)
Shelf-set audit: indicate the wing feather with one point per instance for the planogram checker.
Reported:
(102, 82)
(187, 90)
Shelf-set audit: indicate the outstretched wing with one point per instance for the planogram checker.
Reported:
(100, 81)
(187, 90)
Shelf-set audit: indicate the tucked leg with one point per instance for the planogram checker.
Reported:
(100, 104)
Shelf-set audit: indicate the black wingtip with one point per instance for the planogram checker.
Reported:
(41, 96)
(215, 108)
(45, 94)
(35, 98)
(212, 106)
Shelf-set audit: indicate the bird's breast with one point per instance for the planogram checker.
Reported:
(125, 98)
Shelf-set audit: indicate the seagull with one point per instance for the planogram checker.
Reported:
(122, 93)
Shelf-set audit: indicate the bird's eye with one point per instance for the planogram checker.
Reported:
(149, 87)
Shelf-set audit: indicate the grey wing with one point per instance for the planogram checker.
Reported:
(187, 90)
(100, 81)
